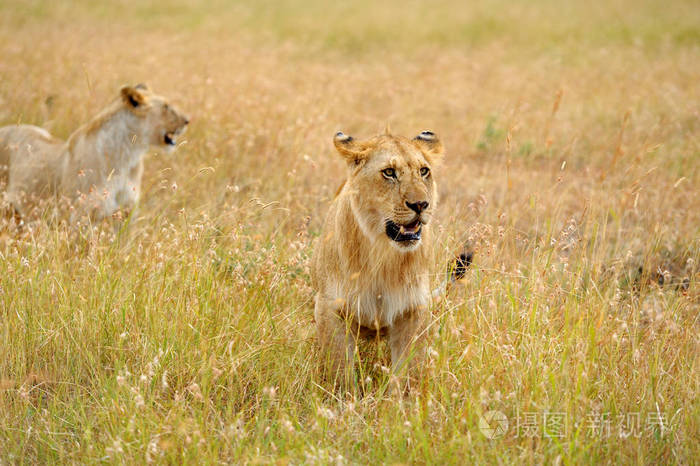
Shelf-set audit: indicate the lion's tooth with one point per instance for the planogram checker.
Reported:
(402, 229)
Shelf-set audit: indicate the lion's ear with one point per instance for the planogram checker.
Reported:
(430, 145)
(133, 96)
(353, 151)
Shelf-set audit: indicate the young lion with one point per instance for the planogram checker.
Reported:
(100, 164)
(370, 267)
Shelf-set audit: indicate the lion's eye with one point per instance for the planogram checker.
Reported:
(424, 172)
(389, 173)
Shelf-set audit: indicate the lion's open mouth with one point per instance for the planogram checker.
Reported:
(408, 232)
(169, 139)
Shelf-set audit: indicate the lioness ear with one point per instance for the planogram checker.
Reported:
(351, 150)
(430, 145)
(132, 96)
(142, 87)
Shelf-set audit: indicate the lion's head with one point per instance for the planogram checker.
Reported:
(391, 185)
(162, 121)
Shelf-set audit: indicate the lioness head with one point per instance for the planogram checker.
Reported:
(163, 122)
(391, 186)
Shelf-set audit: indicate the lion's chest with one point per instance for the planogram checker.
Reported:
(120, 190)
(124, 191)
(375, 307)
(107, 174)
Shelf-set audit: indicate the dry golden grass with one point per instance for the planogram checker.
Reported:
(572, 136)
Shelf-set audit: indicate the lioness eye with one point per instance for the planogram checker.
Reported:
(389, 173)
(425, 171)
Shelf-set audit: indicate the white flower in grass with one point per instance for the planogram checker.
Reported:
(326, 413)
(288, 426)
(195, 391)
(270, 392)
(432, 353)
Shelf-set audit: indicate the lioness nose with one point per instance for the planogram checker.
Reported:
(187, 120)
(417, 207)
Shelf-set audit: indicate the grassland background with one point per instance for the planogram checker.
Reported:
(572, 133)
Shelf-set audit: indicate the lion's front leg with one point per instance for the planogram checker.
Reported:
(337, 344)
(407, 341)
(123, 217)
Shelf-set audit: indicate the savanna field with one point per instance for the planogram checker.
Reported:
(572, 169)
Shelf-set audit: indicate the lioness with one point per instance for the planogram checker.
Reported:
(100, 164)
(370, 266)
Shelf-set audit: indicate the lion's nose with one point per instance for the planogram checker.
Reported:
(187, 120)
(417, 207)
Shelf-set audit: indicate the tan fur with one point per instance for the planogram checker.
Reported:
(363, 278)
(99, 167)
